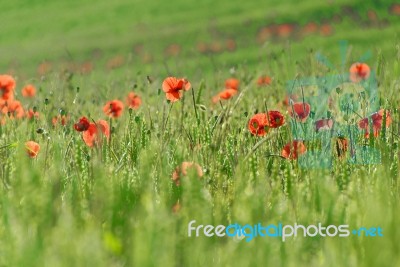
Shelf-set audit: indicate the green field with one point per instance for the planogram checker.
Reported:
(116, 204)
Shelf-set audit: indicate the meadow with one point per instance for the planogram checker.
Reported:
(121, 122)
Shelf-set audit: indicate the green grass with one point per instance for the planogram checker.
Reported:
(112, 205)
(70, 30)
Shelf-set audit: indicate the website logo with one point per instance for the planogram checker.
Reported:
(281, 231)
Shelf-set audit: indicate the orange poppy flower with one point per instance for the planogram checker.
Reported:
(275, 119)
(326, 29)
(95, 133)
(86, 67)
(359, 72)
(258, 124)
(264, 81)
(285, 30)
(7, 85)
(310, 28)
(30, 114)
(147, 57)
(29, 91)
(301, 110)
(173, 87)
(202, 47)
(215, 47)
(32, 148)
(377, 120)
(226, 94)
(44, 68)
(286, 101)
(176, 207)
(113, 108)
(323, 124)
(115, 62)
(133, 101)
(183, 169)
(13, 109)
(215, 99)
(60, 119)
(230, 44)
(395, 9)
(293, 150)
(372, 16)
(264, 34)
(342, 145)
(173, 50)
(232, 83)
(82, 125)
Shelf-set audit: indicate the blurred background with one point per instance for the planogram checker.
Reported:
(185, 36)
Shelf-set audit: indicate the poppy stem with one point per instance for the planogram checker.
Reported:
(195, 108)
(165, 125)
(302, 95)
(46, 154)
(266, 108)
(111, 132)
(166, 121)
(353, 153)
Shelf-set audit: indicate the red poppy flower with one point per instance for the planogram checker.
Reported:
(173, 50)
(275, 119)
(95, 133)
(372, 16)
(44, 68)
(377, 120)
(133, 100)
(32, 148)
(30, 114)
(113, 108)
(258, 124)
(82, 125)
(232, 83)
(301, 110)
(326, 29)
(7, 85)
(60, 119)
(323, 124)
(342, 145)
(86, 67)
(264, 80)
(395, 9)
(173, 88)
(29, 91)
(359, 72)
(183, 169)
(310, 28)
(13, 109)
(293, 150)
(285, 30)
(226, 94)
(115, 62)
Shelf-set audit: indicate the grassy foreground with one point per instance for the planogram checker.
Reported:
(117, 205)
